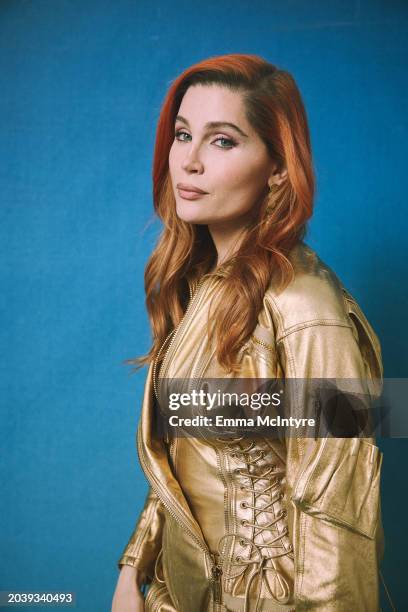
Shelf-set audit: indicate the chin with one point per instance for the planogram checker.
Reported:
(190, 214)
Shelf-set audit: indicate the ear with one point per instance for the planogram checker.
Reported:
(277, 178)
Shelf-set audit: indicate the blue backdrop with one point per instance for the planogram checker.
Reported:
(81, 83)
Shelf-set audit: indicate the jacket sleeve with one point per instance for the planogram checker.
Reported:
(144, 544)
(333, 482)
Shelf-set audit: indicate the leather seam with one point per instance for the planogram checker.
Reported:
(313, 323)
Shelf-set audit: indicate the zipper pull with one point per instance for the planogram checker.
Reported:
(216, 572)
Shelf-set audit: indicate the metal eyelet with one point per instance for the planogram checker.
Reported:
(243, 542)
(243, 504)
(242, 488)
(290, 547)
(233, 455)
(238, 558)
(243, 522)
(237, 471)
(284, 513)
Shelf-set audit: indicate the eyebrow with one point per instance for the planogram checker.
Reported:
(215, 124)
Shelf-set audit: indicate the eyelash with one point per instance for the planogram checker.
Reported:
(230, 140)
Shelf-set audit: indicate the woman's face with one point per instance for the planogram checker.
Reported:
(230, 163)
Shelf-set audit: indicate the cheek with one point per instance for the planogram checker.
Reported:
(245, 179)
(173, 161)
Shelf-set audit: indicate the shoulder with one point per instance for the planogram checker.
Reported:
(315, 296)
(317, 313)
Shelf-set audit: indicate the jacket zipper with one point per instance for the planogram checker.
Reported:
(187, 315)
(263, 343)
(199, 369)
(156, 360)
(168, 348)
(216, 569)
(173, 333)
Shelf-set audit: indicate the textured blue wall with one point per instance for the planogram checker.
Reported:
(81, 85)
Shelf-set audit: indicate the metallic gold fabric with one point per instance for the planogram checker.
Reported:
(195, 465)
(298, 521)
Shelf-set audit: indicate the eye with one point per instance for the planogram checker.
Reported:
(230, 145)
(179, 133)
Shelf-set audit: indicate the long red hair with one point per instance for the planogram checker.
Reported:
(185, 251)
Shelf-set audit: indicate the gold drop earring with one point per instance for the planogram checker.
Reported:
(275, 182)
(271, 203)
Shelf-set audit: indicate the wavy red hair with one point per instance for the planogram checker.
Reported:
(184, 251)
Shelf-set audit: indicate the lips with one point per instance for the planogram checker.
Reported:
(190, 188)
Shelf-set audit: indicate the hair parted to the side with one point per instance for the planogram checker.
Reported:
(185, 251)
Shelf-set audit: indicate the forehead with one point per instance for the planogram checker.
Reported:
(205, 103)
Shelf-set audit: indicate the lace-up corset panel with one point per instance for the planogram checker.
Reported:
(257, 541)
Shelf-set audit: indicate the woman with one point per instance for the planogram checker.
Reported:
(233, 292)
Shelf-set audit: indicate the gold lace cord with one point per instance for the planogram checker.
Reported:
(160, 579)
(260, 559)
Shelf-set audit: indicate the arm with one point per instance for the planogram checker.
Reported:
(333, 483)
(144, 544)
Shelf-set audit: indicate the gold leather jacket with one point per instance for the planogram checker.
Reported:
(325, 502)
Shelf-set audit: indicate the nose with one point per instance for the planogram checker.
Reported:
(192, 163)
